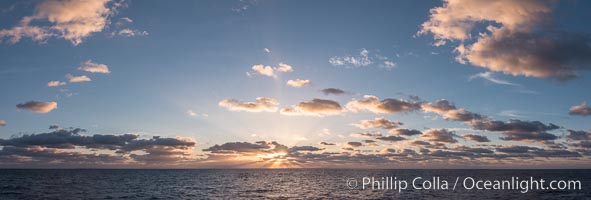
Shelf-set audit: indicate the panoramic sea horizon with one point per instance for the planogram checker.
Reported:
(281, 183)
(300, 99)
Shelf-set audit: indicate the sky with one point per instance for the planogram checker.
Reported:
(295, 84)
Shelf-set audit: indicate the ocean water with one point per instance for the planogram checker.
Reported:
(269, 184)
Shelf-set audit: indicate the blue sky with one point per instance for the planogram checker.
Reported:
(188, 56)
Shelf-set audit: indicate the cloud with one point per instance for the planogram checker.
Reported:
(91, 67)
(364, 59)
(449, 111)
(191, 113)
(354, 144)
(304, 148)
(71, 138)
(55, 83)
(407, 132)
(261, 104)
(582, 110)
(131, 32)
(247, 148)
(356, 61)
(2, 123)
(490, 77)
(334, 91)
(518, 130)
(525, 136)
(77, 79)
(126, 20)
(181, 143)
(371, 143)
(48, 147)
(244, 5)
(327, 143)
(299, 83)
(316, 107)
(284, 68)
(38, 106)
(556, 56)
(366, 135)
(386, 106)
(34, 156)
(439, 135)
(476, 138)
(72, 20)
(578, 135)
(514, 125)
(264, 70)
(378, 122)
(269, 71)
(391, 138)
(519, 39)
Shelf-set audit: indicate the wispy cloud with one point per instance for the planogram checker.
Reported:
(489, 76)
(492, 78)
(55, 83)
(364, 59)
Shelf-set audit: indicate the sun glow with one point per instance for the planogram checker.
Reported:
(276, 160)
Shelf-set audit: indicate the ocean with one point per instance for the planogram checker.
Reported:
(283, 184)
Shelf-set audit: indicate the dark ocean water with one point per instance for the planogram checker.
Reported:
(267, 184)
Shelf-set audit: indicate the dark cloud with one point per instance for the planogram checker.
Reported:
(476, 138)
(139, 144)
(54, 143)
(71, 138)
(304, 148)
(439, 135)
(38, 106)
(525, 136)
(45, 157)
(582, 110)
(248, 148)
(391, 138)
(327, 143)
(526, 151)
(354, 144)
(515, 149)
(514, 125)
(420, 143)
(334, 91)
(578, 135)
(473, 150)
(406, 132)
